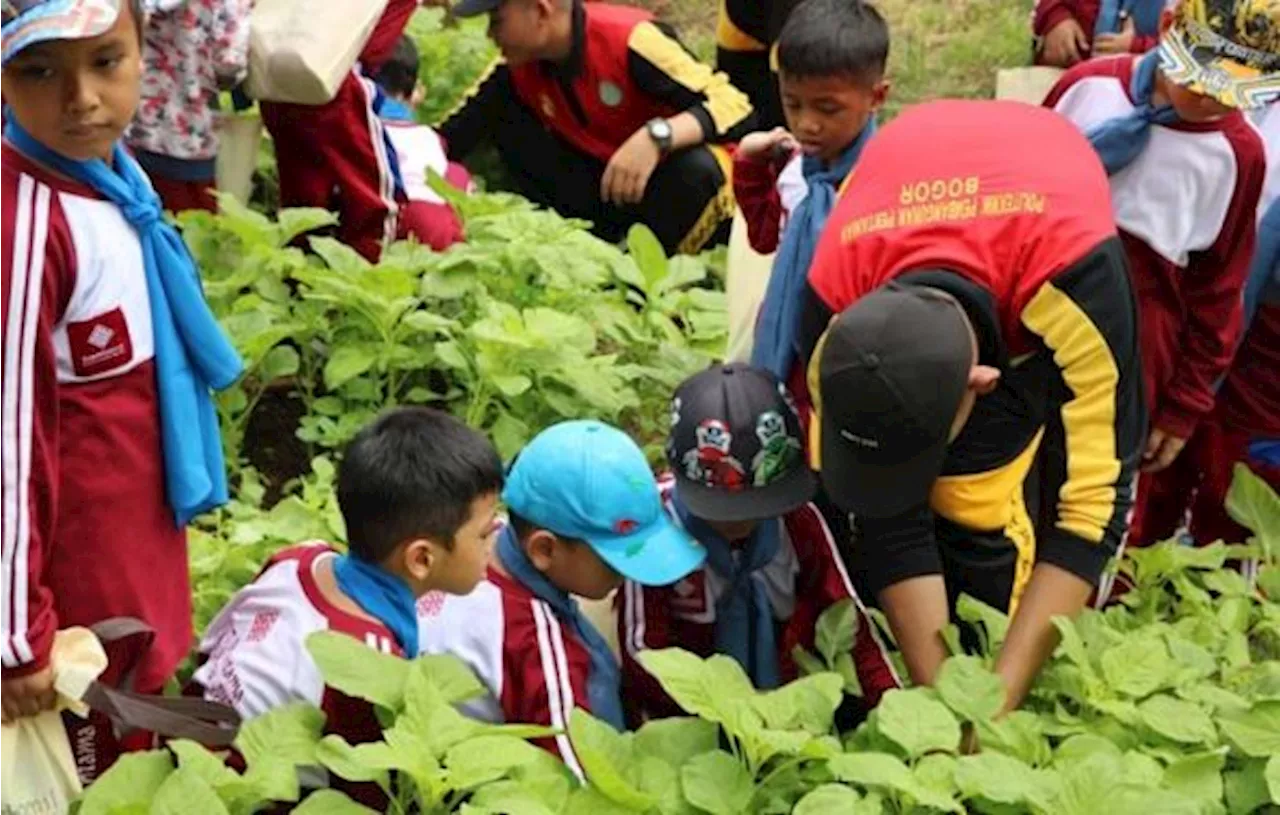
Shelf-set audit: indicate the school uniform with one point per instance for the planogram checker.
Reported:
(424, 215)
(254, 654)
(557, 126)
(1099, 17)
(88, 533)
(336, 155)
(943, 198)
(805, 578)
(1186, 209)
(534, 667)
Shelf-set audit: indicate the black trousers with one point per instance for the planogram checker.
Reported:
(688, 202)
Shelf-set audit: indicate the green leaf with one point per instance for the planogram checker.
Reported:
(1138, 666)
(346, 363)
(647, 252)
(936, 771)
(1019, 734)
(183, 792)
(1246, 788)
(606, 758)
(996, 622)
(1197, 776)
(280, 361)
(718, 783)
(509, 435)
(132, 780)
(590, 801)
(887, 772)
(1255, 732)
(360, 762)
(676, 740)
(1252, 503)
(1272, 775)
(286, 734)
(239, 793)
(703, 688)
(827, 799)
(968, 688)
(511, 385)
(451, 676)
(508, 798)
(486, 758)
(836, 630)
(997, 778)
(1178, 720)
(808, 704)
(918, 723)
(357, 670)
(338, 256)
(330, 802)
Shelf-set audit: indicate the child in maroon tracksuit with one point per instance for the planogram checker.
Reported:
(1070, 31)
(336, 155)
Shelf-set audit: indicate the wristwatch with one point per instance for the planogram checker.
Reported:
(660, 131)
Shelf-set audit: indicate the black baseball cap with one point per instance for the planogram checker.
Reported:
(891, 371)
(736, 446)
(474, 8)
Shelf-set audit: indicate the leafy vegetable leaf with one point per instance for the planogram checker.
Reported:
(702, 688)
(606, 758)
(1255, 732)
(836, 630)
(828, 798)
(132, 780)
(970, 689)
(1176, 719)
(676, 740)
(717, 783)
(330, 802)
(918, 723)
(184, 791)
(1197, 776)
(357, 670)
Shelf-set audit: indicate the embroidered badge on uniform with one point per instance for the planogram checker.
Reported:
(100, 344)
(431, 604)
(610, 94)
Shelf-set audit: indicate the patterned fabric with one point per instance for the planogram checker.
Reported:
(192, 47)
(27, 22)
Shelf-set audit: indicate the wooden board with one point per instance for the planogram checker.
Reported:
(1030, 85)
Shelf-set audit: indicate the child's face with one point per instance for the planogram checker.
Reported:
(77, 96)
(459, 569)
(572, 566)
(826, 113)
(1194, 107)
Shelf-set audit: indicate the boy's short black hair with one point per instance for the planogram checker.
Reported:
(834, 38)
(413, 472)
(399, 74)
(524, 528)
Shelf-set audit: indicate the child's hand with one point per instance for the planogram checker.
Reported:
(1162, 449)
(1065, 44)
(767, 145)
(1120, 43)
(27, 695)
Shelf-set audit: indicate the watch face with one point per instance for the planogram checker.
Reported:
(660, 129)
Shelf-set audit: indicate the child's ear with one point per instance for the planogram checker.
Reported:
(418, 558)
(419, 94)
(879, 94)
(541, 547)
(1166, 20)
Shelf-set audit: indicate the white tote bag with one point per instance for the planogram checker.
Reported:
(300, 51)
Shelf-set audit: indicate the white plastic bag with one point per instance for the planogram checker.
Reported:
(37, 766)
(302, 51)
(239, 136)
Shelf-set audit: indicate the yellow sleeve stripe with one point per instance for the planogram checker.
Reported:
(730, 37)
(814, 380)
(1087, 499)
(727, 105)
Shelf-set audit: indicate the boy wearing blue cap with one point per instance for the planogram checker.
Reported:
(111, 440)
(742, 488)
(585, 513)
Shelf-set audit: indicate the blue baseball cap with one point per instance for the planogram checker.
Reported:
(27, 22)
(588, 481)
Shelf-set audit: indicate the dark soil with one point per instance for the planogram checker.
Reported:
(271, 443)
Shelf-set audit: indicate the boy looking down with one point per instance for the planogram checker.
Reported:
(600, 113)
(831, 62)
(982, 311)
(418, 492)
(1186, 170)
(585, 513)
(741, 487)
(111, 441)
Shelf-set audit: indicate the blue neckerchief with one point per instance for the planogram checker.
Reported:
(775, 336)
(192, 354)
(393, 110)
(744, 615)
(1122, 139)
(383, 595)
(1265, 451)
(604, 685)
(1145, 15)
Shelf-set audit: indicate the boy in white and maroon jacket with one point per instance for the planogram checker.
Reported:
(418, 492)
(585, 513)
(742, 487)
(1186, 169)
(111, 439)
(424, 215)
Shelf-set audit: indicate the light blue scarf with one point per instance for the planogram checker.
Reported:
(744, 615)
(1145, 14)
(604, 685)
(192, 354)
(774, 348)
(1122, 139)
(1263, 285)
(383, 595)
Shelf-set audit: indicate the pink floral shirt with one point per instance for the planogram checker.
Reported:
(192, 48)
